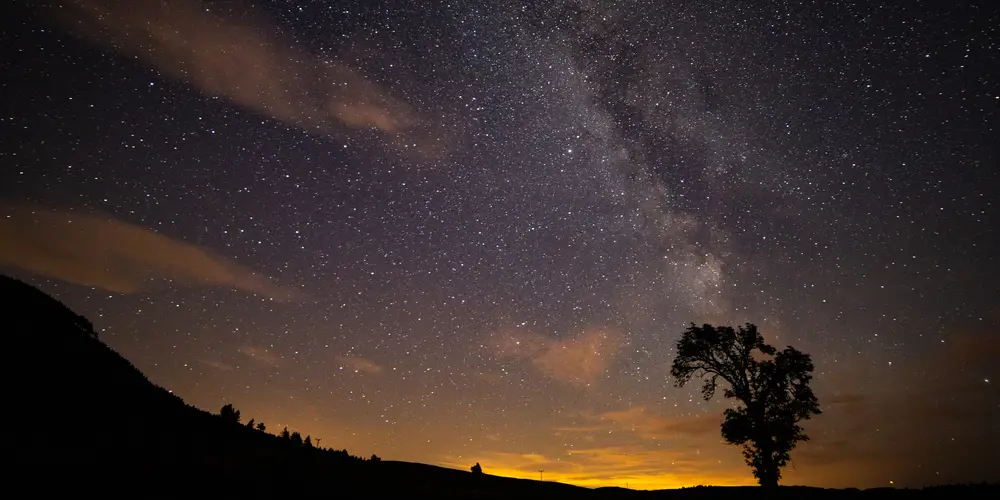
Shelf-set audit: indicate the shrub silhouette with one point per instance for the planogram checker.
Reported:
(250, 424)
(477, 469)
(284, 434)
(261, 427)
(375, 458)
(774, 393)
(230, 414)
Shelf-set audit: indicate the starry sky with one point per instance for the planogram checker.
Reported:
(459, 232)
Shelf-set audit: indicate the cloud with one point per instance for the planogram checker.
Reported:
(247, 61)
(582, 429)
(359, 364)
(578, 361)
(261, 355)
(105, 253)
(652, 426)
(646, 424)
(218, 365)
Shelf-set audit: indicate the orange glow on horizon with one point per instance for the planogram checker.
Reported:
(651, 481)
(606, 468)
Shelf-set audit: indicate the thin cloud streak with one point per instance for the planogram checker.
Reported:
(359, 364)
(261, 355)
(218, 365)
(116, 256)
(652, 426)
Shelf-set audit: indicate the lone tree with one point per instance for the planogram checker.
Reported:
(772, 389)
(477, 469)
(230, 414)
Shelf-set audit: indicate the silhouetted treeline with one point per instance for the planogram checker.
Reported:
(230, 414)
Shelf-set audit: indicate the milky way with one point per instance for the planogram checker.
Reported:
(459, 233)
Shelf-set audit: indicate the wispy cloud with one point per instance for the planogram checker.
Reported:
(650, 425)
(261, 355)
(218, 365)
(577, 361)
(105, 253)
(359, 364)
(247, 61)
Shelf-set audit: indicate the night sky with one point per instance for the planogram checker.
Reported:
(456, 232)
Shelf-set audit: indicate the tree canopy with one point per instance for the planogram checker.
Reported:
(230, 414)
(772, 388)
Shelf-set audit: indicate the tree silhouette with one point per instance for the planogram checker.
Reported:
(250, 424)
(261, 427)
(375, 458)
(308, 443)
(477, 469)
(85, 325)
(230, 414)
(296, 438)
(285, 434)
(773, 392)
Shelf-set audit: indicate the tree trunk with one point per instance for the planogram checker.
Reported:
(769, 480)
(767, 469)
(768, 473)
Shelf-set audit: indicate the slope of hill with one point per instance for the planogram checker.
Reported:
(85, 420)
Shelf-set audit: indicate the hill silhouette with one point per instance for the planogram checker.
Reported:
(87, 421)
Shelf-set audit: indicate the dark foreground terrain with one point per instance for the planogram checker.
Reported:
(83, 421)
